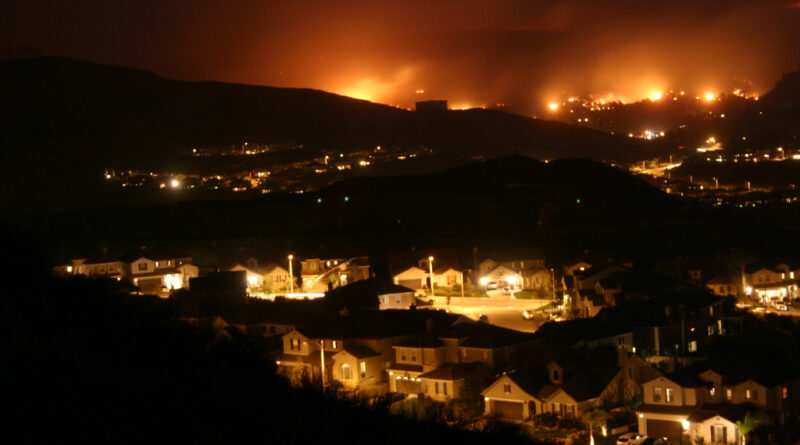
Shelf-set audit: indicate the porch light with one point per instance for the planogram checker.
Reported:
(685, 424)
(486, 399)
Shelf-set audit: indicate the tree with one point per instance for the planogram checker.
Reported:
(752, 421)
(595, 416)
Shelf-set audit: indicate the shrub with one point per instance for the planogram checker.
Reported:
(548, 420)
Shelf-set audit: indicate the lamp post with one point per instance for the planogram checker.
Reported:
(291, 277)
(322, 362)
(430, 270)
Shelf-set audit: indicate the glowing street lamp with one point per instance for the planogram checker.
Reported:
(291, 277)
(430, 270)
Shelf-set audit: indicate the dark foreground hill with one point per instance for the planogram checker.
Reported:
(565, 206)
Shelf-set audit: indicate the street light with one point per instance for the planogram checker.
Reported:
(291, 277)
(430, 270)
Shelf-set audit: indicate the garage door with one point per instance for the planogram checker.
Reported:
(508, 410)
(663, 428)
(411, 284)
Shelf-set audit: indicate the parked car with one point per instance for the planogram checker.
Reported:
(781, 307)
(528, 314)
(631, 439)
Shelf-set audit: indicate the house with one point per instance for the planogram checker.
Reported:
(162, 273)
(671, 324)
(357, 350)
(415, 269)
(398, 297)
(436, 364)
(724, 286)
(771, 282)
(515, 259)
(97, 266)
(570, 384)
(707, 403)
(269, 278)
(326, 270)
(591, 333)
(515, 268)
(412, 277)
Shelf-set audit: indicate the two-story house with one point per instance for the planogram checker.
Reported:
(436, 365)
(269, 278)
(162, 274)
(568, 385)
(707, 404)
(323, 273)
(94, 267)
(357, 350)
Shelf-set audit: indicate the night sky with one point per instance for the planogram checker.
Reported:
(472, 53)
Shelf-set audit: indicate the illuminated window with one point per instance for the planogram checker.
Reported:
(345, 372)
(333, 344)
(507, 388)
(693, 346)
(712, 391)
(785, 392)
(747, 394)
(362, 367)
(669, 395)
(156, 263)
(729, 394)
(656, 394)
(294, 345)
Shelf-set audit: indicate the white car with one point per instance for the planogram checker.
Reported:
(781, 307)
(631, 439)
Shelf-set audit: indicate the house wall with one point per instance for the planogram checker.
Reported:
(449, 278)
(562, 405)
(400, 300)
(765, 276)
(758, 393)
(471, 355)
(412, 277)
(143, 266)
(716, 380)
(678, 396)
(702, 430)
(453, 389)
(496, 392)
(373, 370)
(305, 347)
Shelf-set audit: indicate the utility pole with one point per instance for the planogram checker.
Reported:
(291, 277)
(322, 362)
(430, 270)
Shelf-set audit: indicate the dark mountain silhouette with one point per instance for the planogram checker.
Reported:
(786, 91)
(67, 99)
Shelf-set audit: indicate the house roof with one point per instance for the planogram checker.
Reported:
(666, 409)
(485, 335)
(586, 374)
(378, 324)
(450, 371)
(730, 411)
(421, 341)
(661, 309)
(582, 329)
(405, 367)
(359, 351)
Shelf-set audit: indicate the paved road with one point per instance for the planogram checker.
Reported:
(506, 313)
